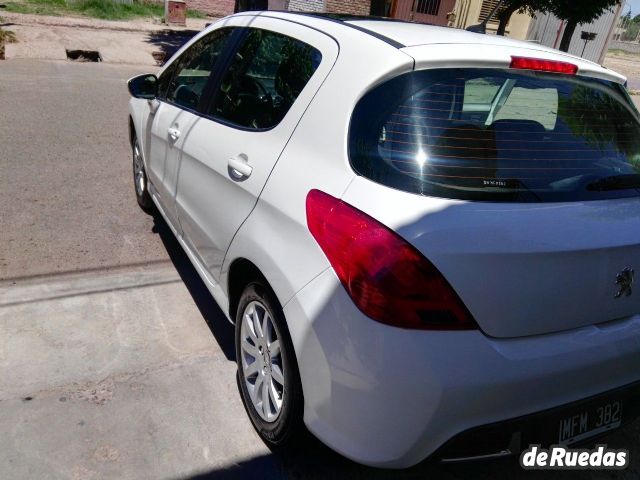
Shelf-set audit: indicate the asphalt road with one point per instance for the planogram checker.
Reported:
(65, 171)
(65, 182)
(114, 360)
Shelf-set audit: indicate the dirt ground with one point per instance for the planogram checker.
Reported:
(626, 64)
(125, 42)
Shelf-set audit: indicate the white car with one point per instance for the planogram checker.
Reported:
(425, 237)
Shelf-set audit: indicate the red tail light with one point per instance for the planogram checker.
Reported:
(526, 63)
(386, 277)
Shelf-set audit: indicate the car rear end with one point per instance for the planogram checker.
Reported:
(481, 294)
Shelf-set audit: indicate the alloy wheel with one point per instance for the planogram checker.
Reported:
(262, 365)
(139, 176)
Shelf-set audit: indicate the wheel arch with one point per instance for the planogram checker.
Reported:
(241, 273)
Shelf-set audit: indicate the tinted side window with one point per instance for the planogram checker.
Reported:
(193, 68)
(266, 76)
(165, 79)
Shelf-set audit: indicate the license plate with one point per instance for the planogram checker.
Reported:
(589, 422)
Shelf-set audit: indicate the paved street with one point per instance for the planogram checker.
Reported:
(65, 171)
(114, 361)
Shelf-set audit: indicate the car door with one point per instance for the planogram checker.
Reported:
(275, 72)
(182, 90)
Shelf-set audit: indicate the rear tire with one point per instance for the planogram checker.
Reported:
(268, 375)
(140, 182)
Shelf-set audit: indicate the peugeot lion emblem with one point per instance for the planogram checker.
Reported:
(624, 280)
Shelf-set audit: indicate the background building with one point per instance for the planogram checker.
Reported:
(473, 12)
(458, 13)
(423, 11)
(426, 11)
(354, 7)
(547, 30)
(541, 28)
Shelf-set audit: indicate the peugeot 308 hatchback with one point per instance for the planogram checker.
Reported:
(426, 238)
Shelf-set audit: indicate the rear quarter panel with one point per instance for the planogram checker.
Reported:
(275, 236)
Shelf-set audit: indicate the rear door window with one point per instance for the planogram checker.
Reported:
(264, 79)
(499, 135)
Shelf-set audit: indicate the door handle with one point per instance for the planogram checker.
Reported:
(239, 166)
(174, 133)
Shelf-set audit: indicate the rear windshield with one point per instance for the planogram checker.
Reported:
(498, 135)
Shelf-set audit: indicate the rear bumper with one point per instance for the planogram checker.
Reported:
(513, 436)
(390, 397)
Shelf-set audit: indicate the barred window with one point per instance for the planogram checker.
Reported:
(487, 7)
(428, 7)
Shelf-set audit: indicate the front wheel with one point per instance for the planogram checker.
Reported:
(268, 375)
(140, 181)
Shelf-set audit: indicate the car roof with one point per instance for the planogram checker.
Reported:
(409, 36)
(400, 32)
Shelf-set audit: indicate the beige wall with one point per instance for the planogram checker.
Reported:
(519, 26)
(468, 13)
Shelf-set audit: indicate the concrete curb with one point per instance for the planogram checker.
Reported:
(40, 289)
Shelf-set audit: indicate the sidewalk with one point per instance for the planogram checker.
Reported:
(129, 42)
(117, 375)
(130, 374)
